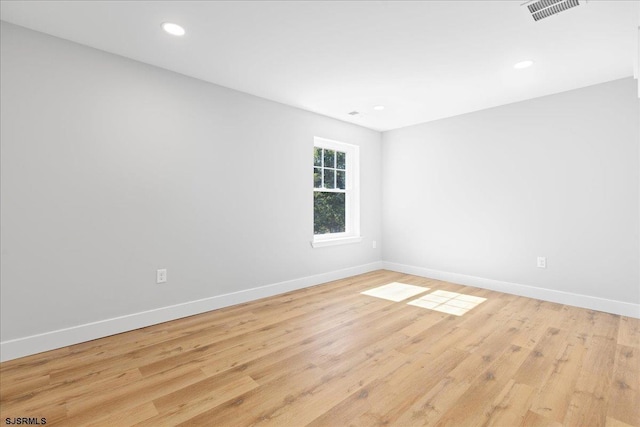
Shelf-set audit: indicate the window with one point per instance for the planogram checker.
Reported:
(336, 196)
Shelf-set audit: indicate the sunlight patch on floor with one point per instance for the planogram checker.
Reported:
(395, 291)
(448, 302)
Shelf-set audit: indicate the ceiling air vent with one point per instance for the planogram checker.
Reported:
(541, 9)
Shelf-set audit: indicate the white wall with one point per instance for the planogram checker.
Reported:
(484, 194)
(112, 169)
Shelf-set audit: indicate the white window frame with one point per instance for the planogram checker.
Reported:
(352, 195)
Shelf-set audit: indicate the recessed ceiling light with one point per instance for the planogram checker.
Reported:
(379, 107)
(523, 64)
(173, 29)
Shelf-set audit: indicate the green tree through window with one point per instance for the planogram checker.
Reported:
(336, 193)
(329, 197)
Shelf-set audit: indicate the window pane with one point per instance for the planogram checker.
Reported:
(329, 159)
(329, 175)
(341, 179)
(341, 160)
(317, 178)
(328, 212)
(317, 156)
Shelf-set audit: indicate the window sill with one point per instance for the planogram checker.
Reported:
(334, 242)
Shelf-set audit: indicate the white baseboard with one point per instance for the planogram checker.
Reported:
(13, 349)
(560, 297)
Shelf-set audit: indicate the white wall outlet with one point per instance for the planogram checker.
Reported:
(542, 262)
(161, 275)
(374, 244)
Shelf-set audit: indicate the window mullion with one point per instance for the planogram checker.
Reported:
(335, 171)
(322, 168)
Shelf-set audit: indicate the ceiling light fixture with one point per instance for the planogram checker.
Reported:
(173, 29)
(379, 107)
(523, 64)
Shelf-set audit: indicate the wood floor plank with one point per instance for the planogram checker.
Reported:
(125, 418)
(99, 404)
(536, 370)
(511, 406)
(624, 400)
(340, 374)
(629, 332)
(25, 368)
(190, 401)
(588, 405)
(435, 402)
(553, 397)
(59, 394)
(612, 422)
(398, 392)
(533, 419)
(328, 355)
(481, 393)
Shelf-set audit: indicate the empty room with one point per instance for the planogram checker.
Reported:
(320, 213)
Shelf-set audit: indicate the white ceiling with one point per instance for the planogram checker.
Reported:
(421, 60)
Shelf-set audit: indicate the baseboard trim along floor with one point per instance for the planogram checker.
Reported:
(550, 295)
(13, 349)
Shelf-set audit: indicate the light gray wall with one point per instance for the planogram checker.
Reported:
(112, 169)
(485, 193)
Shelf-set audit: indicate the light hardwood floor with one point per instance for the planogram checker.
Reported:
(329, 356)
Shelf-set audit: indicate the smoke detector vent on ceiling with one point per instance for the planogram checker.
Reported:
(541, 9)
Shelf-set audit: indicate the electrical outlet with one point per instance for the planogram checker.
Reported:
(374, 244)
(542, 262)
(161, 275)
